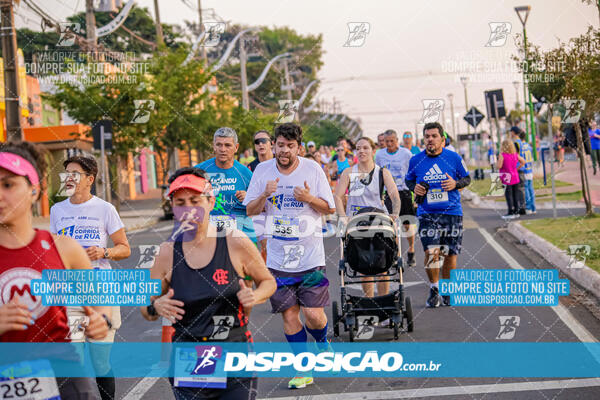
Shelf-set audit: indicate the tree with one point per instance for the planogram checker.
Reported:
(567, 72)
(306, 61)
(325, 132)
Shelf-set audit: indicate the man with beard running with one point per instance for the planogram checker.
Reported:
(293, 190)
(436, 175)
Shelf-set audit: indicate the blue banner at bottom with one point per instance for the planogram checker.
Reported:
(195, 364)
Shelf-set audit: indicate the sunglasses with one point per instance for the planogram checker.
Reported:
(261, 141)
(407, 136)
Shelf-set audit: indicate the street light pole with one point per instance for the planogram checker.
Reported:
(519, 10)
(451, 98)
(516, 85)
(464, 80)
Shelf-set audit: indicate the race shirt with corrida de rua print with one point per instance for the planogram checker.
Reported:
(432, 170)
(90, 223)
(229, 212)
(293, 228)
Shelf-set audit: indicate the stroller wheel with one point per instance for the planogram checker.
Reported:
(335, 318)
(408, 314)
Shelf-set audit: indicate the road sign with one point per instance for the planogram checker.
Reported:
(474, 117)
(498, 95)
(469, 137)
(104, 126)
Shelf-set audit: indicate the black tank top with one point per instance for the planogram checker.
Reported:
(212, 309)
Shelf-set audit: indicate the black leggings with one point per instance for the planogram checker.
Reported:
(512, 198)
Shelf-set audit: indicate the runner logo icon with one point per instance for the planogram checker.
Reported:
(277, 201)
(207, 359)
(67, 231)
(434, 174)
(508, 327)
(366, 326)
(222, 325)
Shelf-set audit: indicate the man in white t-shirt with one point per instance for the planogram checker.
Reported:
(396, 158)
(294, 194)
(91, 221)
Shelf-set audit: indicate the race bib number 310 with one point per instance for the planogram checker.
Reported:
(28, 387)
(437, 196)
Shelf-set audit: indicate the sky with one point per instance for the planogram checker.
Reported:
(414, 50)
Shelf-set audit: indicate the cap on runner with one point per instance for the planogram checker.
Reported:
(19, 166)
(190, 181)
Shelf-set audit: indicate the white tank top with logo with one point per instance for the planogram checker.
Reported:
(361, 195)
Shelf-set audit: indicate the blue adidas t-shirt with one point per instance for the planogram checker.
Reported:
(225, 183)
(433, 170)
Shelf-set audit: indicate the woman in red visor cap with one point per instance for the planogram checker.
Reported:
(206, 275)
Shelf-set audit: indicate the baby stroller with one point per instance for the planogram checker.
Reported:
(370, 251)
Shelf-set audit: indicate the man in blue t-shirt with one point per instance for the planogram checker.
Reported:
(435, 176)
(515, 134)
(527, 168)
(230, 180)
(594, 134)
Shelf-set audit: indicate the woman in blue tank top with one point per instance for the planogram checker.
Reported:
(204, 272)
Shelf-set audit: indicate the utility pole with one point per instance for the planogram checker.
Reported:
(11, 68)
(90, 25)
(159, 32)
(243, 59)
(202, 30)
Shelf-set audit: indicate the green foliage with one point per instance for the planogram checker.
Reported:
(324, 132)
(306, 60)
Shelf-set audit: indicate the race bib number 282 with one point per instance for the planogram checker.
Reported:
(29, 387)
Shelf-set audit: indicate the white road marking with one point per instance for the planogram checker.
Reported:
(578, 330)
(458, 390)
(141, 388)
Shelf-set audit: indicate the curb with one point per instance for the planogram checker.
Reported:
(583, 275)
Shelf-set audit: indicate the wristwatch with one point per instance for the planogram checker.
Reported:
(108, 321)
(151, 310)
(106, 253)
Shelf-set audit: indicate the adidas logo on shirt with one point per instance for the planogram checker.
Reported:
(434, 174)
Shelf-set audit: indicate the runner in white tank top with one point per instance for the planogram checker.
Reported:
(362, 183)
(363, 190)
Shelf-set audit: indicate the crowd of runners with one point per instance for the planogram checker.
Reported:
(253, 233)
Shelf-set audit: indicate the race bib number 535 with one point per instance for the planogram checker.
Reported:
(286, 228)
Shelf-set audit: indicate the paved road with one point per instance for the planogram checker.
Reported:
(486, 245)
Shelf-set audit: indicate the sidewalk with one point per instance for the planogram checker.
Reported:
(135, 214)
(570, 173)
